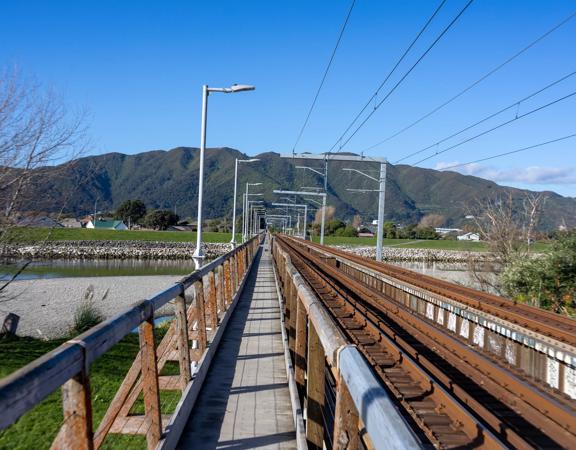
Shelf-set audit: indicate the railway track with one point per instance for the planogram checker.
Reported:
(452, 394)
(540, 321)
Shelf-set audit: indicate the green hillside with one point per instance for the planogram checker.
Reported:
(169, 179)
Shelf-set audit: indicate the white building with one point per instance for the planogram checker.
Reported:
(469, 237)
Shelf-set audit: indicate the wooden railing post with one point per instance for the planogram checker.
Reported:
(212, 305)
(300, 346)
(315, 391)
(227, 283)
(220, 293)
(183, 341)
(200, 315)
(150, 386)
(345, 419)
(76, 432)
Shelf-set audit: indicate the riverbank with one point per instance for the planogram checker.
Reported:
(46, 306)
(110, 249)
(416, 254)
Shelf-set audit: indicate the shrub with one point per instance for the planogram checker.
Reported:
(87, 315)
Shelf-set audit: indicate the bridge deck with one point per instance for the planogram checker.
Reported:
(245, 401)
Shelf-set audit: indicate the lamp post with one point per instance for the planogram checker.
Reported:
(316, 194)
(233, 240)
(198, 253)
(245, 216)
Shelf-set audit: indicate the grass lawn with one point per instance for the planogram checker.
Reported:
(420, 243)
(29, 235)
(38, 427)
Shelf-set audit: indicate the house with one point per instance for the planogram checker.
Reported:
(107, 225)
(366, 234)
(469, 237)
(447, 230)
(71, 223)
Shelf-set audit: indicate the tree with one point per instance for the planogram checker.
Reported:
(160, 219)
(390, 231)
(507, 226)
(330, 210)
(131, 211)
(346, 231)
(357, 221)
(432, 220)
(547, 281)
(36, 130)
(333, 225)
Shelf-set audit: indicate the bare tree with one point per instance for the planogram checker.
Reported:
(357, 221)
(507, 227)
(330, 210)
(432, 220)
(36, 130)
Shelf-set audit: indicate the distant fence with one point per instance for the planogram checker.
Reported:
(216, 288)
(362, 413)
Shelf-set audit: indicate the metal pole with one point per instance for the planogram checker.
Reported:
(198, 253)
(246, 214)
(233, 240)
(323, 220)
(381, 199)
(305, 218)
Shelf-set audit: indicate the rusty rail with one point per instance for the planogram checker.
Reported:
(457, 391)
(363, 410)
(216, 287)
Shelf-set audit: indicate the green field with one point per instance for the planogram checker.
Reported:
(38, 427)
(420, 243)
(29, 235)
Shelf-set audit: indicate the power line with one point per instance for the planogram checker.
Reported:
(324, 76)
(511, 152)
(540, 108)
(475, 83)
(515, 104)
(403, 77)
(395, 67)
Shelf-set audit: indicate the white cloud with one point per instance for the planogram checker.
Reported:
(527, 175)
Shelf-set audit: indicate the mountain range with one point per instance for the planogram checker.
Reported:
(169, 179)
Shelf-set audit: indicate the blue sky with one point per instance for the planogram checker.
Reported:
(138, 68)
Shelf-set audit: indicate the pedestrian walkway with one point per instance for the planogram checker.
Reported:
(245, 401)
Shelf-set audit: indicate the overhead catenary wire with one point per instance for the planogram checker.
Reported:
(478, 81)
(391, 72)
(324, 76)
(465, 141)
(490, 116)
(438, 38)
(499, 155)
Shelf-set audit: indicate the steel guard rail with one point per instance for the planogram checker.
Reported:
(217, 286)
(315, 341)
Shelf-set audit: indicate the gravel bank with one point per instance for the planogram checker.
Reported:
(111, 250)
(46, 307)
(415, 254)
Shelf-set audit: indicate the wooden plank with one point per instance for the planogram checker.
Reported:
(300, 346)
(200, 315)
(345, 419)
(153, 422)
(76, 431)
(25, 388)
(212, 305)
(183, 342)
(315, 391)
(133, 424)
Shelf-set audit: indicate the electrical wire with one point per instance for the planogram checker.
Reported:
(478, 81)
(535, 110)
(403, 78)
(323, 77)
(499, 155)
(428, 22)
(515, 104)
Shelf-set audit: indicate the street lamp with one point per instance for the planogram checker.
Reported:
(198, 253)
(245, 216)
(233, 240)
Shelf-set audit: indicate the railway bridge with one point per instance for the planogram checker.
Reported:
(283, 343)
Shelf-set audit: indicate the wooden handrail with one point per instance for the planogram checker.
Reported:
(68, 365)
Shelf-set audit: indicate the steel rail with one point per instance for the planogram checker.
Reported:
(513, 404)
